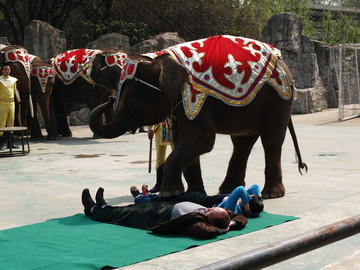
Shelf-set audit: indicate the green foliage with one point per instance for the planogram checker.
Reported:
(341, 29)
(86, 20)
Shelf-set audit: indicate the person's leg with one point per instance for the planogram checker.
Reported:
(235, 195)
(254, 190)
(199, 198)
(99, 197)
(142, 215)
(10, 123)
(3, 116)
(5, 110)
(142, 199)
(87, 202)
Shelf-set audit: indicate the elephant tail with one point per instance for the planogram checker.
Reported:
(301, 165)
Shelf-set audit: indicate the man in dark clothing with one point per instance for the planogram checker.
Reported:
(166, 217)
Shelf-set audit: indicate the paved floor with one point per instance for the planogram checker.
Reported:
(48, 182)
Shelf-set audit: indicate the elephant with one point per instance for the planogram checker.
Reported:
(42, 82)
(89, 83)
(18, 58)
(222, 84)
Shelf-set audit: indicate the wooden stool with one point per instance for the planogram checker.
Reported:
(12, 129)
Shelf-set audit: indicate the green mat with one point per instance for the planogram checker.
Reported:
(77, 242)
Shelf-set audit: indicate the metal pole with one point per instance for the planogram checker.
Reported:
(340, 102)
(291, 247)
(150, 154)
(357, 78)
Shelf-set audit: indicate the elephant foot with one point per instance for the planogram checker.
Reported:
(167, 192)
(273, 192)
(197, 189)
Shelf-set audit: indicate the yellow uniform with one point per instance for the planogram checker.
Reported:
(7, 104)
(162, 140)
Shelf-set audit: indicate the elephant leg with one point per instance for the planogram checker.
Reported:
(236, 171)
(92, 102)
(272, 144)
(191, 142)
(35, 129)
(62, 123)
(51, 127)
(49, 119)
(192, 174)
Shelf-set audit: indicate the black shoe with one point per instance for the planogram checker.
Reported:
(134, 191)
(99, 197)
(155, 189)
(87, 201)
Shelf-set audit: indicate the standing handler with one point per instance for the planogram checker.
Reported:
(162, 133)
(8, 92)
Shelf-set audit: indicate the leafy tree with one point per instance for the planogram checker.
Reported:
(17, 14)
(86, 20)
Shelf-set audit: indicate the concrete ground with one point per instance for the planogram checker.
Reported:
(47, 184)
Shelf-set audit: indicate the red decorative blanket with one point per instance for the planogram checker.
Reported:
(232, 69)
(74, 63)
(42, 73)
(18, 55)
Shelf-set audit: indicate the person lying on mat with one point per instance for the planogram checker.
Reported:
(165, 217)
(247, 202)
(240, 201)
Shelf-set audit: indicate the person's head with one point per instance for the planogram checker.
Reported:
(218, 217)
(5, 69)
(256, 206)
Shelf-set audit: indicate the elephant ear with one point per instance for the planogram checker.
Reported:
(172, 76)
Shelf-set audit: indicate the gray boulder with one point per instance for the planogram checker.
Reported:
(158, 43)
(284, 31)
(4, 41)
(43, 40)
(114, 41)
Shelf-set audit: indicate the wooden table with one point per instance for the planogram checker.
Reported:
(21, 130)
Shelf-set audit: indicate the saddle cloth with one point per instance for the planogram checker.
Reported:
(71, 64)
(18, 55)
(232, 69)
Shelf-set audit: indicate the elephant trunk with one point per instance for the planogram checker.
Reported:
(108, 131)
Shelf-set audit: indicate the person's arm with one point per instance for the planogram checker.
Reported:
(204, 231)
(238, 221)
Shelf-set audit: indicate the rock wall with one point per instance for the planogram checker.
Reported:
(43, 40)
(4, 41)
(157, 43)
(310, 63)
(114, 41)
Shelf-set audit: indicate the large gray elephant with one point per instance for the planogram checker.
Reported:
(223, 84)
(42, 82)
(83, 77)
